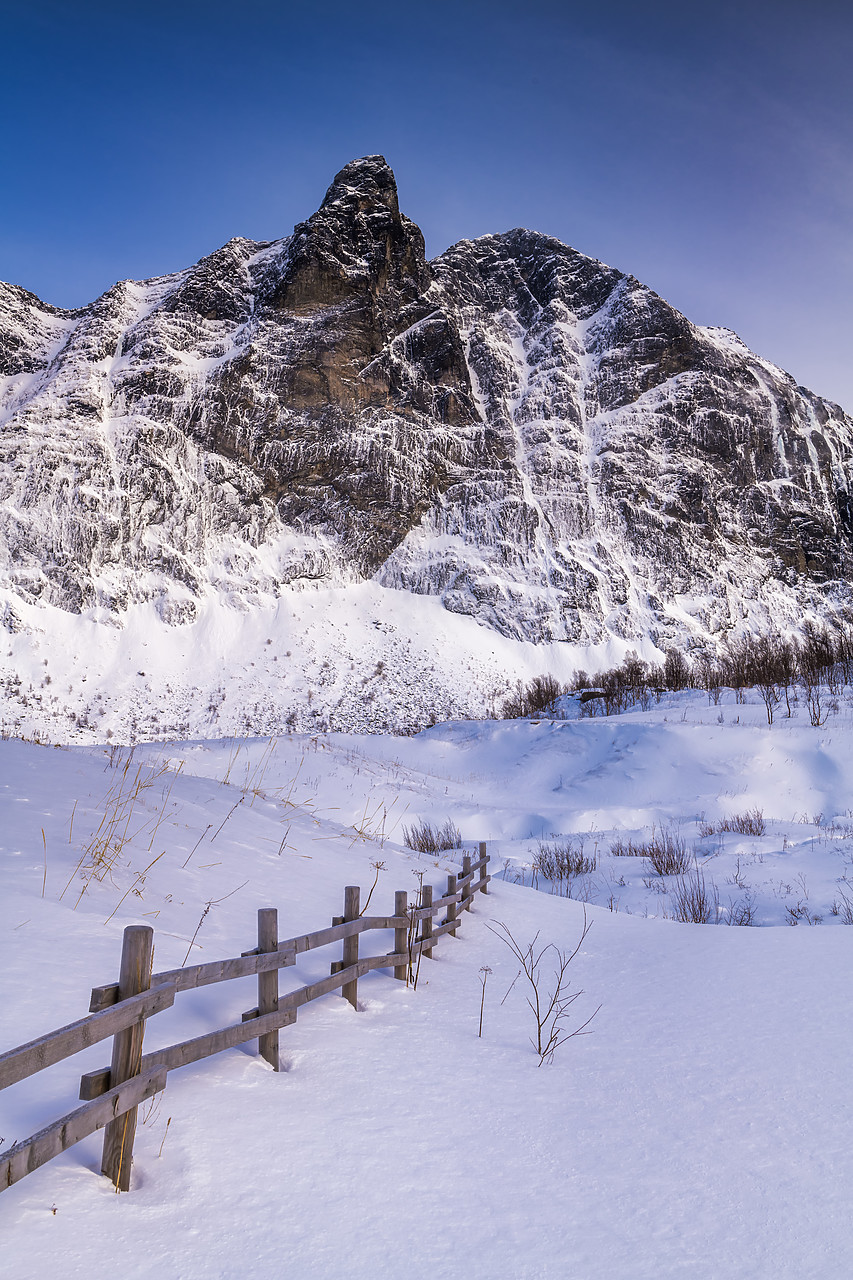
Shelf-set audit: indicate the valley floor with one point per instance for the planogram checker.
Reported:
(700, 1130)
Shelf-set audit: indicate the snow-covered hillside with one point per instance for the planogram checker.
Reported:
(358, 658)
(328, 425)
(701, 1129)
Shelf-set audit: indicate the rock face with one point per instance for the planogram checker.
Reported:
(532, 436)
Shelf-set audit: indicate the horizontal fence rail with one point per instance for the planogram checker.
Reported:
(111, 1095)
(30, 1058)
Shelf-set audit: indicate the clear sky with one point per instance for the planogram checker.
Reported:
(705, 148)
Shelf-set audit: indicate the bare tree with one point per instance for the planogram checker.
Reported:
(676, 672)
(817, 708)
(549, 999)
(535, 698)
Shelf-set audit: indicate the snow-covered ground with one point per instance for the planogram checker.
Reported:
(702, 1128)
(361, 657)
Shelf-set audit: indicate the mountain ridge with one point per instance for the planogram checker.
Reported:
(535, 439)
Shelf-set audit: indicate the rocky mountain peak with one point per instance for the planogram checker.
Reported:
(364, 183)
(357, 242)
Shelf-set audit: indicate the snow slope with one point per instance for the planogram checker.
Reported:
(365, 657)
(701, 1130)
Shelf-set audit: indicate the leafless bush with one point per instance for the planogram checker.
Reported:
(668, 854)
(666, 851)
(692, 901)
(843, 906)
(549, 1002)
(711, 679)
(742, 912)
(801, 912)
(737, 877)
(628, 848)
(423, 837)
(558, 862)
(749, 823)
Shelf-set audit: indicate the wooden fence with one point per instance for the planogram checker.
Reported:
(121, 1010)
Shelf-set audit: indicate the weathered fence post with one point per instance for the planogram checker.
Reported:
(426, 923)
(268, 1044)
(452, 912)
(349, 990)
(484, 888)
(401, 935)
(137, 953)
(466, 892)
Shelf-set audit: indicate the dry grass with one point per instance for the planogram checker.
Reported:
(375, 829)
(749, 823)
(122, 824)
(423, 837)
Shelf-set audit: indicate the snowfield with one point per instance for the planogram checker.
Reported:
(361, 658)
(700, 1130)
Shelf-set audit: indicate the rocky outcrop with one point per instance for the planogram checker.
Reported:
(664, 480)
(532, 436)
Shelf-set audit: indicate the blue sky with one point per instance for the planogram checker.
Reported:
(704, 148)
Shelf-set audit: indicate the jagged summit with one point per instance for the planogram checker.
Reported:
(356, 242)
(365, 183)
(532, 437)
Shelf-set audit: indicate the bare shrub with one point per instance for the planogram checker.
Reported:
(742, 912)
(749, 823)
(513, 707)
(549, 1002)
(693, 902)
(484, 974)
(801, 912)
(666, 851)
(737, 877)
(668, 854)
(423, 837)
(562, 861)
(628, 848)
(843, 908)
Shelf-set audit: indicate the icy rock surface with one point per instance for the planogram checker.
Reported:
(533, 437)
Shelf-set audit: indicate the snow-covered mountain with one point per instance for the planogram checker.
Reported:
(327, 431)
